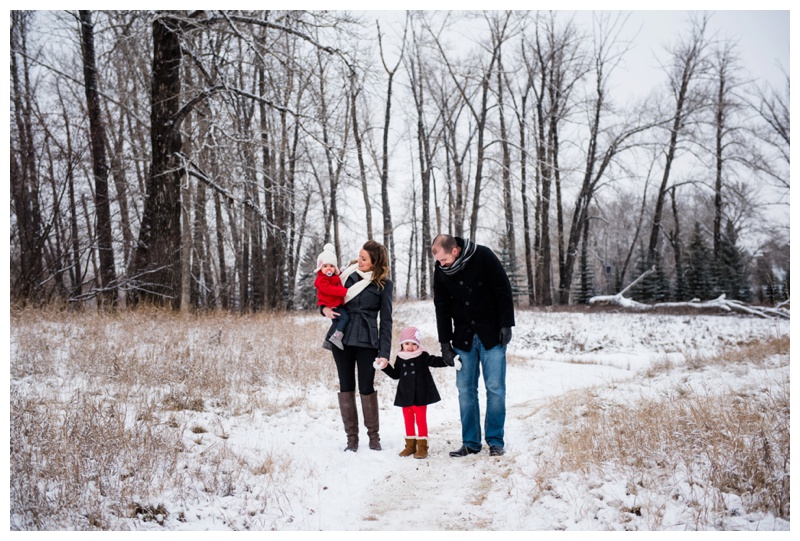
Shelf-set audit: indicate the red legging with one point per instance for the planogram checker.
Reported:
(418, 414)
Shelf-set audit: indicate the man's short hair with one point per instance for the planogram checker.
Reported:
(445, 242)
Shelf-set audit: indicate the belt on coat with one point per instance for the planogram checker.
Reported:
(363, 315)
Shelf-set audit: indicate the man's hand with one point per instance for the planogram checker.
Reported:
(448, 354)
(505, 336)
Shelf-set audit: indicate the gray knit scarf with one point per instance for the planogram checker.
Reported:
(466, 252)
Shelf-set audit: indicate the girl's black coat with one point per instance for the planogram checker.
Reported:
(415, 386)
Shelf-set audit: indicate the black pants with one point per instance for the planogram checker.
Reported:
(350, 358)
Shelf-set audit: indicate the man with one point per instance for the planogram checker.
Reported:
(474, 316)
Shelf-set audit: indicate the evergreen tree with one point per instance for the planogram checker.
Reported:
(655, 286)
(585, 290)
(306, 294)
(512, 269)
(731, 268)
(785, 296)
(699, 281)
(679, 293)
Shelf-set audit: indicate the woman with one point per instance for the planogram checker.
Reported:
(368, 300)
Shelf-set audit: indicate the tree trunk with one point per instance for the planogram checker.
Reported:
(105, 249)
(544, 260)
(526, 226)
(156, 271)
(388, 229)
(224, 287)
(476, 189)
(121, 187)
(508, 205)
(362, 169)
(424, 154)
(24, 182)
(690, 58)
(92, 256)
(675, 241)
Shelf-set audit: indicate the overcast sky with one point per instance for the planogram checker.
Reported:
(763, 36)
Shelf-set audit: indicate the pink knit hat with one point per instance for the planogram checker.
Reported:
(410, 334)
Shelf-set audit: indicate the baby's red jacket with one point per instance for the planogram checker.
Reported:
(330, 291)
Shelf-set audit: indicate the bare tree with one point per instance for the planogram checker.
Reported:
(605, 143)
(24, 181)
(771, 130)
(415, 69)
(97, 135)
(545, 51)
(687, 65)
(508, 207)
(388, 229)
(355, 90)
(479, 111)
(156, 265)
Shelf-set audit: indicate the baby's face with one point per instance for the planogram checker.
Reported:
(410, 346)
(328, 269)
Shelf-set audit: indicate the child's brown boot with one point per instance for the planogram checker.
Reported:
(422, 448)
(411, 447)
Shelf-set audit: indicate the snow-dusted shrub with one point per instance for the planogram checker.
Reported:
(724, 440)
(124, 416)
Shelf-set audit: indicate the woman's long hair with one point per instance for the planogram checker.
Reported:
(380, 261)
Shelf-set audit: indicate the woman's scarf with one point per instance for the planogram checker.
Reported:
(359, 286)
(466, 252)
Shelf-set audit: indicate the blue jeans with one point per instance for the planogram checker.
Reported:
(493, 362)
(342, 319)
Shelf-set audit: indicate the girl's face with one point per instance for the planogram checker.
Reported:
(328, 269)
(364, 261)
(410, 346)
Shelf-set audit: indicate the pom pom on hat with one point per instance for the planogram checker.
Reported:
(328, 255)
(411, 334)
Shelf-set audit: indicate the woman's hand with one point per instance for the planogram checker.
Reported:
(382, 362)
(328, 312)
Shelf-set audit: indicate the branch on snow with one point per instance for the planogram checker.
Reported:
(721, 303)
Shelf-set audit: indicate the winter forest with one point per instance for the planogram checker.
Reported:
(201, 159)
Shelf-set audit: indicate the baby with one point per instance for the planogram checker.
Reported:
(331, 292)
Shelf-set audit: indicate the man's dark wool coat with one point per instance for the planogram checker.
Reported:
(478, 299)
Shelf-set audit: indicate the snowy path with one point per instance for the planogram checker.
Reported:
(315, 485)
(477, 492)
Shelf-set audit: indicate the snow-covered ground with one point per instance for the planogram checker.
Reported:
(551, 354)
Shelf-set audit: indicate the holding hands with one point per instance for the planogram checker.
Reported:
(381, 363)
(449, 356)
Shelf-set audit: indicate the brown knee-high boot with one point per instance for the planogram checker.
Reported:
(347, 406)
(369, 406)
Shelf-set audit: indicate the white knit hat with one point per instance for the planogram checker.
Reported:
(328, 255)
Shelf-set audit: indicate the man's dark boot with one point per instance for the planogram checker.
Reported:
(369, 406)
(464, 451)
(347, 406)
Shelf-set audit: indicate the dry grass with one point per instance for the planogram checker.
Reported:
(735, 442)
(101, 406)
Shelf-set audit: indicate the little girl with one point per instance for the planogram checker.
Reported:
(416, 388)
(331, 292)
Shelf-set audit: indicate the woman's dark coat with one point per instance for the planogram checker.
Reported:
(365, 309)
